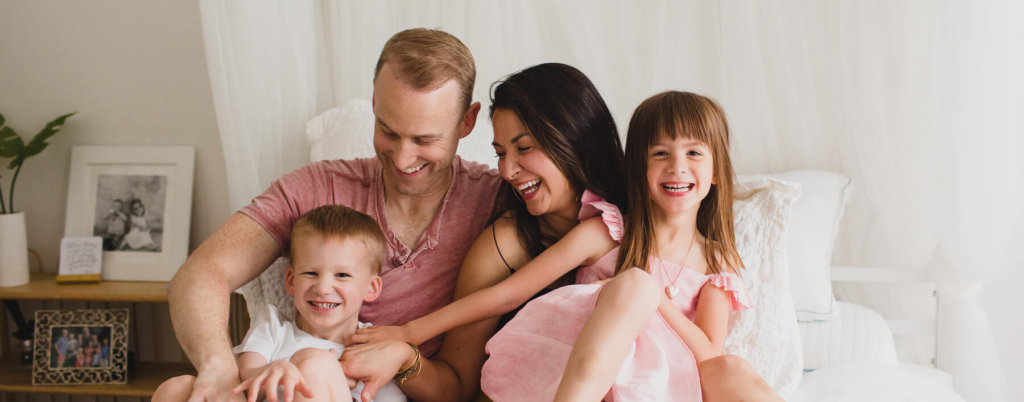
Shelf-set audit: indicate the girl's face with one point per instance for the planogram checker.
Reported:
(524, 165)
(680, 173)
(137, 208)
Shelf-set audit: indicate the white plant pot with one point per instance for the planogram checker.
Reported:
(13, 250)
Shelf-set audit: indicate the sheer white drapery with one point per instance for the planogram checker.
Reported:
(263, 60)
(918, 102)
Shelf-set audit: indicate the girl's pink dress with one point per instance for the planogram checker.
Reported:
(528, 355)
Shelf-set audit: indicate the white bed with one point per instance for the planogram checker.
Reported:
(807, 345)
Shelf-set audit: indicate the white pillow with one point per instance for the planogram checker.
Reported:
(812, 231)
(344, 132)
(859, 334)
(766, 334)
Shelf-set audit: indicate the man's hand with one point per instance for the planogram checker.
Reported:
(375, 363)
(280, 373)
(383, 333)
(214, 385)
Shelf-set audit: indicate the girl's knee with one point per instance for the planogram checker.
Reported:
(725, 365)
(634, 286)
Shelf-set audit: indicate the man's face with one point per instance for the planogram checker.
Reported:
(417, 132)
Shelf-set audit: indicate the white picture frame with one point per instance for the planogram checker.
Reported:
(139, 199)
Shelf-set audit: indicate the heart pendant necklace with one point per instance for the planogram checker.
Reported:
(671, 290)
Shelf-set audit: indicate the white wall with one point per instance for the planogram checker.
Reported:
(136, 73)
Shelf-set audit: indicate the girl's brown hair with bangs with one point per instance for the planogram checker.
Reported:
(692, 116)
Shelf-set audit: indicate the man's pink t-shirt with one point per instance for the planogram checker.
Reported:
(417, 280)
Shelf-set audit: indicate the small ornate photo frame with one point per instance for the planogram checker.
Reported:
(88, 346)
(138, 199)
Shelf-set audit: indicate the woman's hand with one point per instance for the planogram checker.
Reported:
(280, 373)
(383, 333)
(376, 363)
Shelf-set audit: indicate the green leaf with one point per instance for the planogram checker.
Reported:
(10, 143)
(38, 143)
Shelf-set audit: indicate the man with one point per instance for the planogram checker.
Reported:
(429, 203)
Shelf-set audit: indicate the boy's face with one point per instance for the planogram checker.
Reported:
(329, 280)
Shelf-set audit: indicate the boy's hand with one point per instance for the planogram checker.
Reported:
(278, 373)
(383, 333)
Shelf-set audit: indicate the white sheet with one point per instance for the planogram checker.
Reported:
(858, 382)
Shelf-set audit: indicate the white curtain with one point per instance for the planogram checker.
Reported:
(263, 62)
(919, 102)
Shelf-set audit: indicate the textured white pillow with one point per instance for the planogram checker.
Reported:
(858, 335)
(766, 334)
(345, 132)
(812, 231)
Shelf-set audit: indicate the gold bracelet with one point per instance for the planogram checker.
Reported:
(412, 371)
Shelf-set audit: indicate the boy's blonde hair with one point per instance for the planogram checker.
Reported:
(341, 222)
(428, 58)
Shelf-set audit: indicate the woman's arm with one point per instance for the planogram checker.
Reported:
(705, 335)
(454, 374)
(583, 245)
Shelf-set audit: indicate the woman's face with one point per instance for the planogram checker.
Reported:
(524, 165)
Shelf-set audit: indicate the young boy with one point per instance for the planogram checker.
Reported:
(336, 256)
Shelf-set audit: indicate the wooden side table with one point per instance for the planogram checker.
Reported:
(141, 382)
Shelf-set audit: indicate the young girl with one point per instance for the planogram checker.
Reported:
(679, 233)
(138, 237)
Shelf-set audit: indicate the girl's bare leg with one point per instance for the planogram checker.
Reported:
(176, 389)
(623, 307)
(730, 378)
(322, 375)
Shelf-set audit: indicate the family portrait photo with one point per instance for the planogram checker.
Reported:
(78, 346)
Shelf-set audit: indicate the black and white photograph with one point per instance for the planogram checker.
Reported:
(137, 200)
(129, 212)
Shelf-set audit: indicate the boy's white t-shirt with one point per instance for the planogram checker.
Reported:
(279, 339)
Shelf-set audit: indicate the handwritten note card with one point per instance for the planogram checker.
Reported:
(81, 259)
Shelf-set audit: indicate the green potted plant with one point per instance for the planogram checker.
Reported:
(13, 243)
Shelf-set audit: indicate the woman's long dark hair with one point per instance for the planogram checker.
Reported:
(567, 117)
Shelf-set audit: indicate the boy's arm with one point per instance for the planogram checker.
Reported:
(199, 297)
(250, 364)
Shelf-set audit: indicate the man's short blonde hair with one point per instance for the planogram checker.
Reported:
(427, 58)
(341, 222)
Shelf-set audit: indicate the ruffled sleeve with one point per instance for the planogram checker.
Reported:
(610, 214)
(733, 285)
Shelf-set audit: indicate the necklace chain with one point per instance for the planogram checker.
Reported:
(671, 290)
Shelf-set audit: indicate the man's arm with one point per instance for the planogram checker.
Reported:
(239, 250)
